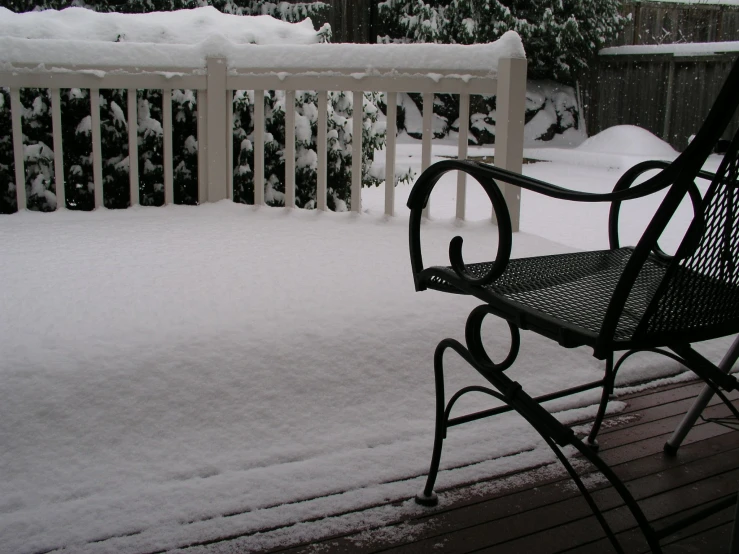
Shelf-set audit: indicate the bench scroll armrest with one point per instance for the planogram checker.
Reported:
(625, 183)
(417, 202)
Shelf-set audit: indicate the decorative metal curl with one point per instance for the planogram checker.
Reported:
(692, 235)
(473, 338)
(505, 240)
(418, 199)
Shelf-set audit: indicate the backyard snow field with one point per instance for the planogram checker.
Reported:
(170, 376)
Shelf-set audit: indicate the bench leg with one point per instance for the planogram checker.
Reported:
(608, 383)
(428, 497)
(700, 403)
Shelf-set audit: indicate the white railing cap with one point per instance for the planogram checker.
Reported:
(176, 27)
(677, 49)
(94, 52)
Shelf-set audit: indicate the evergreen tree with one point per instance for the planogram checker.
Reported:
(560, 36)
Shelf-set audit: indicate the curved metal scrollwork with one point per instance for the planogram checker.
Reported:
(694, 232)
(473, 338)
(511, 394)
(417, 202)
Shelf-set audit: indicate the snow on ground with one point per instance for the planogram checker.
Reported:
(175, 375)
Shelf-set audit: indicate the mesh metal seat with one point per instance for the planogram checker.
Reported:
(621, 300)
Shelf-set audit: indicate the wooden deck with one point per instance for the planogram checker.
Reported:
(547, 514)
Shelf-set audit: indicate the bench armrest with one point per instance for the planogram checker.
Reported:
(625, 183)
(487, 176)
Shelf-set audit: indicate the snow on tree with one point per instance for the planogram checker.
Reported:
(560, 36)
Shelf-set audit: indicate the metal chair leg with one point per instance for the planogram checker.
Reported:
(734, 545)
(700, 403)
(608, 383)
(428, 497)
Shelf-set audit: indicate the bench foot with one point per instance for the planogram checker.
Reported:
(594, 445)
(427, 499)
(670, 450)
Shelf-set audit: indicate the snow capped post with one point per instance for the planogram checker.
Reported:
(511, 108)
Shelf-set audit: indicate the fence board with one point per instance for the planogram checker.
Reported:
(56, 126)
(322, 146)
(259, 147)
(633, 90)
(16, 110)
(97, 147)
(392, 128)
(357, 124)
(133, 147)
(289, 148)
(669, 22)
(167, 143)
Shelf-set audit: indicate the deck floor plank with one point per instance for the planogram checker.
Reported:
(544, 513)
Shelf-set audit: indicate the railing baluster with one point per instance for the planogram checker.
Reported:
(202, 146)
(391, 131)
(18, 157)
(428, 134)
(56, 127)
(97, 153)
(167, 138)
(230, 144)
(133, 147)
(358, 120)
(322, 146)
(259, 147)
(464, 124)
(216, 125)
(511, 109)
(289, 148)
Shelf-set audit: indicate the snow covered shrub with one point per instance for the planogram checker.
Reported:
(77, 139)
(339, 151)
(560, 36)
(551, 111)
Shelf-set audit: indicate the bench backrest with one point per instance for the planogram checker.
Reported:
(698, 296)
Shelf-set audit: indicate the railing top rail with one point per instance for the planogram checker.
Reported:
(345, 58)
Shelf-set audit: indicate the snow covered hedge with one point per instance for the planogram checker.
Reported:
(76, 123)
(551, 113)
(560, 36)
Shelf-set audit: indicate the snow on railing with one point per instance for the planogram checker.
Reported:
(217, 68)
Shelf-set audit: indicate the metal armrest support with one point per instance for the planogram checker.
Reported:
(417, 202)
(625, 183)
(487, 175)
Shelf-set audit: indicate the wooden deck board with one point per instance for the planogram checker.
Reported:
(545, 513)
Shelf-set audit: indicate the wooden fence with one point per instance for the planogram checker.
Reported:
(670, 22)
(668, 94)
(351, 20)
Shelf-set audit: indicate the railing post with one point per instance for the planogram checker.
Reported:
(217, 153)
(511, 109)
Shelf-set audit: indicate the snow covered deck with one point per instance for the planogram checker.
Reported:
(165, 367)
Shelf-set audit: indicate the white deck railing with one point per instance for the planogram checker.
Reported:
(218, 77)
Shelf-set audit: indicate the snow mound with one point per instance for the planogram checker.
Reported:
(628, 140)
(180, 27)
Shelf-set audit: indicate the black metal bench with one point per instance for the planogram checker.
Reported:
(621, 300)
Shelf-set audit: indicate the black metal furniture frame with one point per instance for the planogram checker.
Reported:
(621, 300)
